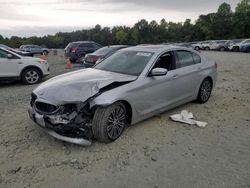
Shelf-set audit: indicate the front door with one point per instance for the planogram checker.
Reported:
(8, 64)
(155, 92)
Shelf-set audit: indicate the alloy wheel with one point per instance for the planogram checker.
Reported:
(206, 89)
(32, 77)
(116, 122)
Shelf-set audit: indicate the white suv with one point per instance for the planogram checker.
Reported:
(28, 69)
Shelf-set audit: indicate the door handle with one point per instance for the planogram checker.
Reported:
(175, 76)
(199, 68)
(20, 63)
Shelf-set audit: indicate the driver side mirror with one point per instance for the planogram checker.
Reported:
(10, 56)
(158, 72)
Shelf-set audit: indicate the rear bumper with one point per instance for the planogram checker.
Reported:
(46, 72)
(39, 120)
(73, 56)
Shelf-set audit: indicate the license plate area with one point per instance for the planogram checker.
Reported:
(37, 118)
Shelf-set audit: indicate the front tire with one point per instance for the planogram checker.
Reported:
(222, 49)
(31, 76)
(109, 122)
(205, 91)
(197, 48)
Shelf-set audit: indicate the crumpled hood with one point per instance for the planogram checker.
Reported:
(78, 86)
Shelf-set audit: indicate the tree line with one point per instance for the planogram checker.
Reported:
(223, 24)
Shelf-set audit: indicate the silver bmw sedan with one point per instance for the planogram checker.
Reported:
(131, 85)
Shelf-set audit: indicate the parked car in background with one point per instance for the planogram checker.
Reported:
(199, 45)
(91, 59)
(16, 67)
(245, 47)
(220, 45)
(76, 51)
(206, 45)
(98, 103)
(184, 44)
(34, 49)
(236, 47)
(22, 53)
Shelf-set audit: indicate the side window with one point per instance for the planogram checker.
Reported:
(96, 45)
(83, 45)
(3, 54)
(165, 61)
(185, 59)
(89, 45)
(197, 58)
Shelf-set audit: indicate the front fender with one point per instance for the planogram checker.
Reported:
(107, 99)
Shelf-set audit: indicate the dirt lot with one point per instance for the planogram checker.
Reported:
(153, 153)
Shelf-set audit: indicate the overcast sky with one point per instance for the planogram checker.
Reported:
(42, 17)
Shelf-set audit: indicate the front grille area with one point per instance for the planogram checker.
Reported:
(45, 107)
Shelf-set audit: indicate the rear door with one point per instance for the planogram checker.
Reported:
(187, 75)
(37, 49)
(9, 67)
(90, 48)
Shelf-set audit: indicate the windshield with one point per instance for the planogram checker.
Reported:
(126, 62)
(104, 50)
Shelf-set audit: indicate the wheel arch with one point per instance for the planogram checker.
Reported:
(199, 85)
(127, 106)
(128, 109)
(29, 67)
(209, 78)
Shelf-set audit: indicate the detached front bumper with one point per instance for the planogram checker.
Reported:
(39, 119)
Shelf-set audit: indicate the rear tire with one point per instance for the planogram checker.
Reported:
(205, 91)
(81, 59)
(236, 49)
(109, 122)
(31, 76)
(45, 52)
(72, 60)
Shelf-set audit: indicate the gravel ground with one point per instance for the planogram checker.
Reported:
(153, 153)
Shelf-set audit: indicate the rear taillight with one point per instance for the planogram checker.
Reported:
(95, 58)
(73, 50)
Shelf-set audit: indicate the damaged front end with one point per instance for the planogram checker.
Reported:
(61, 105)
(68, 122)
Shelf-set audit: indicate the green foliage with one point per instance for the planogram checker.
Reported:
(241, 19)
(223, 24)
(121, 36)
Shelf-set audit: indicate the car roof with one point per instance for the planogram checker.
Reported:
(83, 42)
(25, 45)
(116, 46)
(154, 48)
